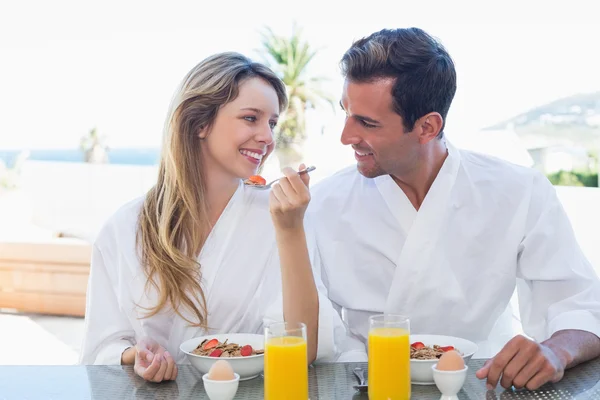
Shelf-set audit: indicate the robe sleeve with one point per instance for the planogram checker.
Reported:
(331, 329)
(332, 332)
(107, 331)
(558, 288)
(348, 347)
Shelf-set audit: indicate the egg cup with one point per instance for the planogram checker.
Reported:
(221, 390)
(449, 382)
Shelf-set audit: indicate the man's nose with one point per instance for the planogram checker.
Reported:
(348, 135)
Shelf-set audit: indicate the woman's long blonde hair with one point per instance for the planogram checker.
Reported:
(174, 223)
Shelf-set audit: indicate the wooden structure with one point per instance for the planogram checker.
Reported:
(46, 277)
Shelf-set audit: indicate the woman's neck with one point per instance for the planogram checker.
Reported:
(219, 190)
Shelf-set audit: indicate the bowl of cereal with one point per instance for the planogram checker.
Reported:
(243, 351)
(425, 351)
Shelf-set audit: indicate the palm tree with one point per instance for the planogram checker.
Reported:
(10, 176)
(289, 57)
(94, 148)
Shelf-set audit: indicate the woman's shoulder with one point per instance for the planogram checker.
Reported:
(121, 227)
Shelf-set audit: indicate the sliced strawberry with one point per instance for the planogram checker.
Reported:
(417, 345)
(216, 353)
(257, 179)
(210, 344)
(246, 351)
(446, 348)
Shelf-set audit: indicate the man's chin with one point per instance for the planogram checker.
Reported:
(369, 171)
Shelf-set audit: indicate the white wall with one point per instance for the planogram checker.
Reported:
(582, 205)
(78, 198)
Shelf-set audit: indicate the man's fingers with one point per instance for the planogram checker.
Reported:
(519, 366)
(500, 361)
(543, 376)
(546, 371)
(529, 371)
(483, 371)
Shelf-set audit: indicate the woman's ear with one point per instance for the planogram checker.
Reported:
(202, 132)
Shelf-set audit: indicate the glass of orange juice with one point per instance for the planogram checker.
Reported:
(389, 357)
(286, 361)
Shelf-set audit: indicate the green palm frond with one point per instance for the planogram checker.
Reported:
(290, 58)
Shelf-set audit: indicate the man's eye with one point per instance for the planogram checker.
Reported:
(367, 125)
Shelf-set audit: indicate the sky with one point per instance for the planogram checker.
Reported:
(69, 66)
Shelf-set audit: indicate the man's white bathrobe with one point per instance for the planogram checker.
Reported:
(241, 277)
(484, 228)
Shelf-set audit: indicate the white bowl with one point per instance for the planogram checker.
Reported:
(420, 370)
(221, 390)
(247, 367)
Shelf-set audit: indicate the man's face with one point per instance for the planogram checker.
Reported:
(375, 131)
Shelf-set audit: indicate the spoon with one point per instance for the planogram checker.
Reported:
(362, 384)
(268, 185)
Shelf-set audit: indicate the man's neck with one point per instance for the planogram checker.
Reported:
(416, 183)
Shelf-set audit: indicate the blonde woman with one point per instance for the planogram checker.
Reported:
(201, 252)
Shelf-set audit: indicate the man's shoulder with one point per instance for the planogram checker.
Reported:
(487, 167)
(340, 180)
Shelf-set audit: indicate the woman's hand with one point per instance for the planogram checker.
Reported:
(289, 199)
(153, 362)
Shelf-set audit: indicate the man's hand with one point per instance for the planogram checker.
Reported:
(523, 363)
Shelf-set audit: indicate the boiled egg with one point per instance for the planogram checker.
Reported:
(451, 361)
(221, 371)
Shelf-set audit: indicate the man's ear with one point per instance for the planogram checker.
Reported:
(430, 126)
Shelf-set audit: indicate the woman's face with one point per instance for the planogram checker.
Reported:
(241, 137)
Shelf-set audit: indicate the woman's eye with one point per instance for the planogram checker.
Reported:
(272, 124)
(250, 118)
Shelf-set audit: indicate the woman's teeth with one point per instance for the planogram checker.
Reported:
(251, 154)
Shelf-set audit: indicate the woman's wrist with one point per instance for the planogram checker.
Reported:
(128, 356)
(289, 232)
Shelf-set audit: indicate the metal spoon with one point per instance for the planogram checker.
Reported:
(268, 185)
(362, 384)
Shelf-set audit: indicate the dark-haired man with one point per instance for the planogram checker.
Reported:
(441, 235)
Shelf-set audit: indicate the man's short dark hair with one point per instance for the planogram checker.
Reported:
(423, 71)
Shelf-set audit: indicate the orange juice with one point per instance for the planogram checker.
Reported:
(389, 364)
(286, 368)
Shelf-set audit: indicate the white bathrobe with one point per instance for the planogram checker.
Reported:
(241, 277)
(484, 228)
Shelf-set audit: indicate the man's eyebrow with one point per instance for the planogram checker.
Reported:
(367, 119)
(364, 118)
